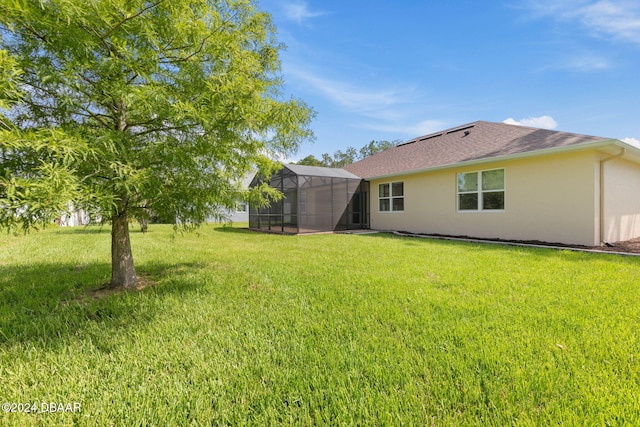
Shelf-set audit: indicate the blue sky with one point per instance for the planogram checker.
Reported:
(394, 70)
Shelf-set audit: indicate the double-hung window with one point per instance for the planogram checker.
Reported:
(391, 197)
(481, 191)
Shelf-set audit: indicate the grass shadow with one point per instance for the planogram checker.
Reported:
(84, 230)
(98, 230)
(231, 229)
(498, 246)
(49, 304)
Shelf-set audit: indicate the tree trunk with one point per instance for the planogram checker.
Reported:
(123, 272)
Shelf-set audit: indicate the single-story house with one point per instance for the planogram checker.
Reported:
(495, 180)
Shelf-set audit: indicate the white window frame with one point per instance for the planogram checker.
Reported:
(242, 207)
(391, 197)
(479, 191)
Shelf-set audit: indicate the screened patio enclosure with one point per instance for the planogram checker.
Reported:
(315, 199)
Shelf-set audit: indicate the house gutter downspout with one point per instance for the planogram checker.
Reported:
(602, 162)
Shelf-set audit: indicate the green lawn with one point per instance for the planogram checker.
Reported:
(245, 328)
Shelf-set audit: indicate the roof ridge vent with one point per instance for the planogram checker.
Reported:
(435, 135)
(411, 141)
(459, 129)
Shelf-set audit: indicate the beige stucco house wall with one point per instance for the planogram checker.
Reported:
(551, 198)
(621, 200)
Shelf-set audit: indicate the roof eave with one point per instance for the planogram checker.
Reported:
(345, 173)
(549, 151)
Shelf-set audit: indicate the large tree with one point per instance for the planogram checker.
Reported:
(125, 107)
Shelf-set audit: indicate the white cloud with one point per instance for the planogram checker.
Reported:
(619, 19)
(632, 141)
(544, 122)
(299, 11)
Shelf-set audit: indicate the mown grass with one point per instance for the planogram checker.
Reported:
(245, 328)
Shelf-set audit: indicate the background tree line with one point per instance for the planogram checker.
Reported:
(350, 155)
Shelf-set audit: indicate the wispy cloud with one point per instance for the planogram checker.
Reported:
(410, 129)
(618, 19)
(299, 11)
(390, 109)
(586, 63)
(582, 63)
(365, 101)
(544, 122)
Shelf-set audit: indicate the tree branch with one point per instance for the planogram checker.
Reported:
(176, 59)
(129, 18)
(93, 32)
(160, 129)
(98, 117)
(35, 33)
(6, 125)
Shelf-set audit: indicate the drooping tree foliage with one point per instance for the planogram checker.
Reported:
(130, 107)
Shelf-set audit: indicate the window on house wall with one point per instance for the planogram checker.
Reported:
(241, 207)
(391, 197)
(481, 191)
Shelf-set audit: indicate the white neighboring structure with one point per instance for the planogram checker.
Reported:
(74, 218)
(77, 218)
(240, 213)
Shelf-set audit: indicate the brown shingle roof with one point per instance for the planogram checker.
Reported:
(474, 141)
